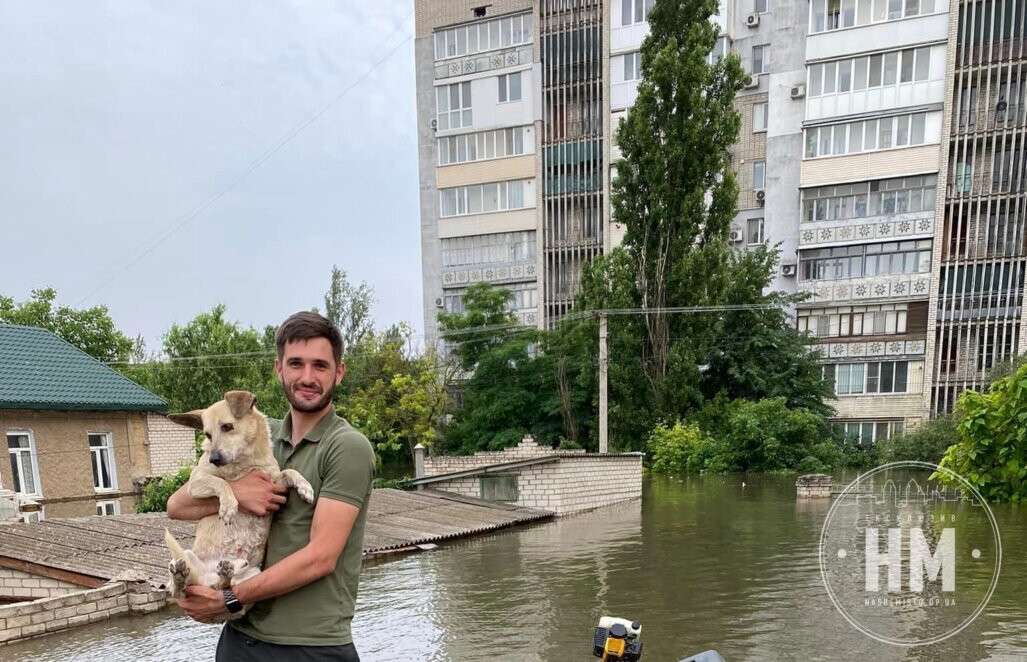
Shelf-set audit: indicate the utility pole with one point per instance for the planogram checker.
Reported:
(604, 364)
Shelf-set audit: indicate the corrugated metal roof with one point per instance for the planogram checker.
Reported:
(105, 547)
(40, 371)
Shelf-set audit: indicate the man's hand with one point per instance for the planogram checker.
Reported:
(257, 494)
(202, 603)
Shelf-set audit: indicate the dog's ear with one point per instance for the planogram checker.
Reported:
(240, 402)
(191, 419)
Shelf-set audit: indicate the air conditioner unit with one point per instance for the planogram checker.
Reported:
(752, 82)
(1001, 106)
(736, 236)
(434, 124)
(761, 196)
(438, 302)
(788, 270)
(752, 20)
(798, 91)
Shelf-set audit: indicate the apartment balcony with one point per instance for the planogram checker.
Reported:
(507, 272)
(987, 121)
(1000, 305)
(482, 62)
(910, 225)
(879, 347)
(867, 290)
(989, 53)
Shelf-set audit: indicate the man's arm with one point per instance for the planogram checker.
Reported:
(332, 523)
(255, 493)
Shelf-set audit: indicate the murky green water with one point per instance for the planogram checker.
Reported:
(702, 563)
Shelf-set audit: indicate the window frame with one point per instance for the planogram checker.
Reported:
(761, 230)
(759, 165)
(102, 504)
(765, 114)
(506, 87)
(94, 454)
(33, 454)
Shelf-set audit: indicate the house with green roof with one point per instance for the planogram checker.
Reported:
(80, 436)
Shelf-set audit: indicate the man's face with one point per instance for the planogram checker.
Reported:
(308, 372)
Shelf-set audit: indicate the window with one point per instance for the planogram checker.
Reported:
(883, 133)
(24, 469)
(842, 262)
(759, 6)
(488, 249)
(510, 87)
(634, 11)
(871, 377)
(483, 36)
(523, 296)
(912, 64)
(632, 66)
(453, 105)
(485, 145)
(869, 432)
(499, 487)
(759, 174)
(483, 198)
(760, 59)
(846, 321)
(759, 117)
(108, 508)
(836, 14)
(865, 199)
(754, 231)
(101, 449)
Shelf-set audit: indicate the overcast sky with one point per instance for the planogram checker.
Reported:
(119, 119)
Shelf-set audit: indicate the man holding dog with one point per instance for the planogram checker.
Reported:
(302, 603)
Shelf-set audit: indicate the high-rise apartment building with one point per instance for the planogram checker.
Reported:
(881, 146)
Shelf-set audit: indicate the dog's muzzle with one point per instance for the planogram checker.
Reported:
(218, 459)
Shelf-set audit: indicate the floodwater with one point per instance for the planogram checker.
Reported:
(702, 563)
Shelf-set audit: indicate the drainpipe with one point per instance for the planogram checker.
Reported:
(419, 463)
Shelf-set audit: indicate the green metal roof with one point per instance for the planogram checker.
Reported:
(38, 370)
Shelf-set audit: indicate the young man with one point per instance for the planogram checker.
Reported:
(302, 603)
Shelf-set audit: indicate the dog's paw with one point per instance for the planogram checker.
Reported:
(228, 511)
(225, 570)
(179, 571)
(305, 491)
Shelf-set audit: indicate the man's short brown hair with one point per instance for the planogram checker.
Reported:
(306, 325)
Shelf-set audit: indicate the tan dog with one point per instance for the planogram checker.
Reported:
(229, 546)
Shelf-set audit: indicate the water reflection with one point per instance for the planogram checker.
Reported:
(702, 563)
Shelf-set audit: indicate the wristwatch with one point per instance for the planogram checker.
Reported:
(232, 603)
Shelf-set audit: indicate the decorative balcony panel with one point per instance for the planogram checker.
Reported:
(867, 289)
(481, 62)
(862, 230)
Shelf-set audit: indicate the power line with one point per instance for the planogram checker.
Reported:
(268, 153)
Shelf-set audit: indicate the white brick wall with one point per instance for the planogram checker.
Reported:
(172, 446)
(525, 450)
(571, 484)
(18, 584)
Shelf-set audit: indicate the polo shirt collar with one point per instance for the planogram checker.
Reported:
(315, 434)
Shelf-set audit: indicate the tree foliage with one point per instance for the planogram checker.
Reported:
(349, 307)
(991, 452)
(90, 329)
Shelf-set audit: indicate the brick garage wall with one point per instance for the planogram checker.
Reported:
(575, 483)
(172, 446)
(594, 481)
(31, 619)
(18, 584)
(525, 450)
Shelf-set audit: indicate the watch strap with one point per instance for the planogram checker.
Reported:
(231, 601)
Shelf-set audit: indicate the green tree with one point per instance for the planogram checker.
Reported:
(674, 190)
(90, 329)
(503, 392)
(396, 398)
(349, 307)
(991, 452)
(208, 356)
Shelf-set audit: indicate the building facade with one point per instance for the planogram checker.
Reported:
(881, 147)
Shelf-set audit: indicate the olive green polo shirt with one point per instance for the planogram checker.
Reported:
(339, 463)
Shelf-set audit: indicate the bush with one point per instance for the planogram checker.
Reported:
(991, 451)
(927, 442)
(766, 435)
(390, 483)
(156, 493)
(684, 449)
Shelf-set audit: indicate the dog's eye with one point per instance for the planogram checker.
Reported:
(226, 427)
